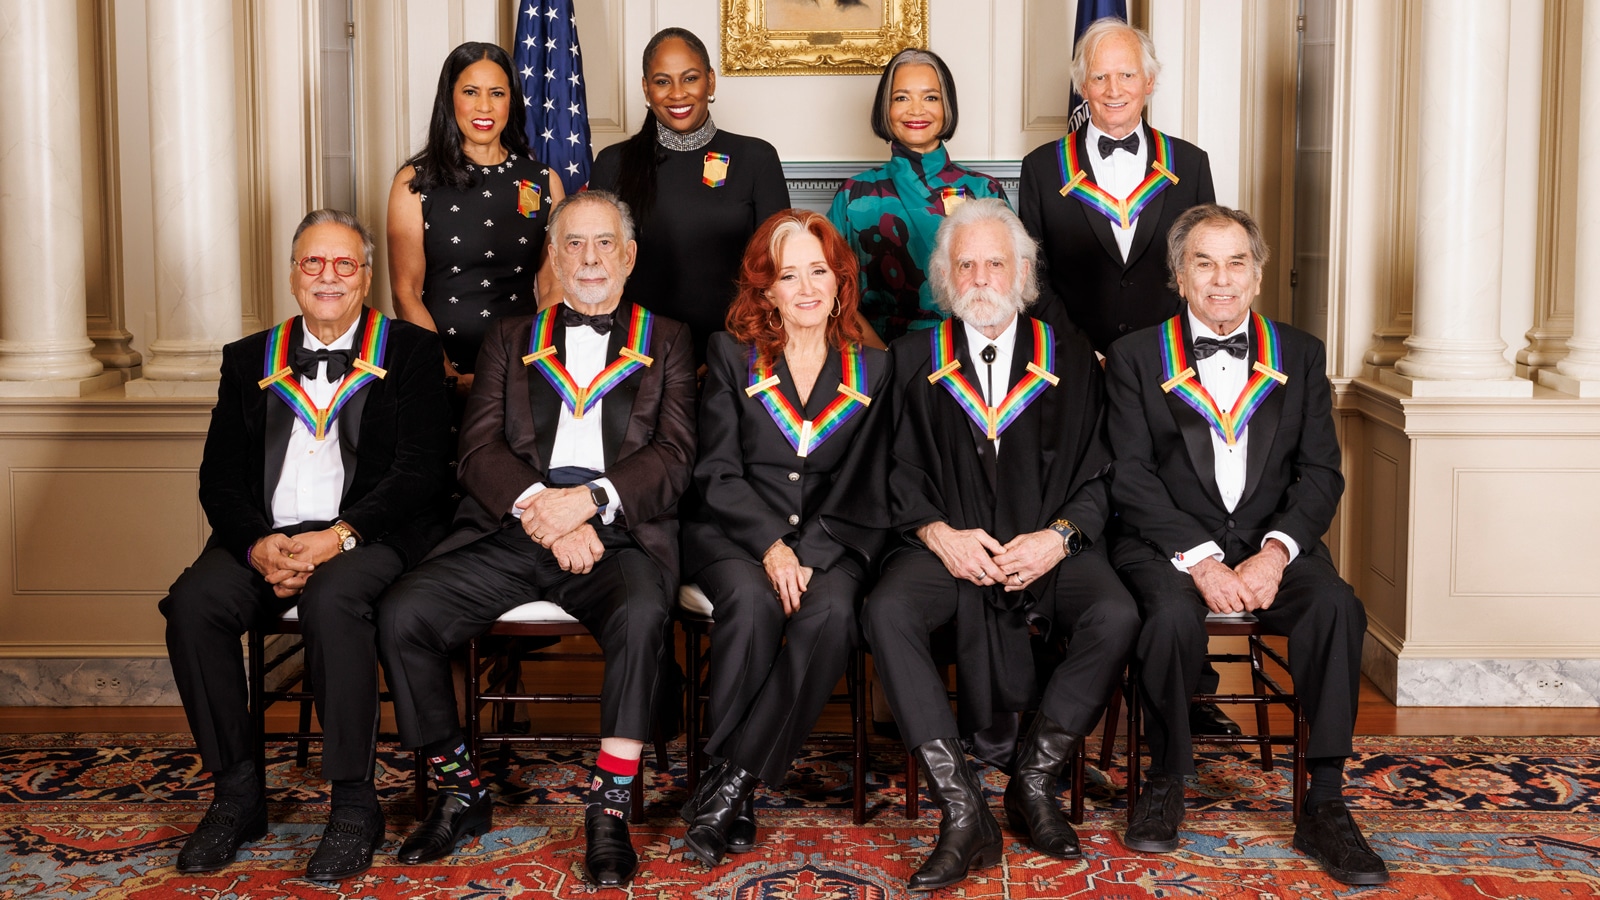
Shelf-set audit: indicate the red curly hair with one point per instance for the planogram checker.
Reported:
(750, 316)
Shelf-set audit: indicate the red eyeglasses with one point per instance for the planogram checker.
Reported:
(343, 266)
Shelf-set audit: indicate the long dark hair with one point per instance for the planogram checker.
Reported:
(641, 154)
(441, 162)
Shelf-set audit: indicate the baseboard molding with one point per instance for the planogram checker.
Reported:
(1437, 681)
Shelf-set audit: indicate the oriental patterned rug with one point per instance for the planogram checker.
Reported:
(102, 815)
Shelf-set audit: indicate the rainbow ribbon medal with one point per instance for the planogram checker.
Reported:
(715, 171)
(1075, 181)
(805, 435)
(367, 366)
(631, 358)
(1180, 378)
(994, 419)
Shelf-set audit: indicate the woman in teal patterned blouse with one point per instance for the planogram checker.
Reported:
(890, 214)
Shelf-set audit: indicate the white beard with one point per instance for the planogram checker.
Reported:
(585, 294)
(983, 307)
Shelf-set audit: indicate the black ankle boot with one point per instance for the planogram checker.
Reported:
(1031, 806)
(708, 833)
(969, 837)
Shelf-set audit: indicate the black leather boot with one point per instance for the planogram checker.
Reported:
(969, 837)
(708, 833)
(1031, 806)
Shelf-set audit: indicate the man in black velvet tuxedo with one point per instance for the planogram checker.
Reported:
(998, 491)
(1227, 476)
(324, 467)
(573, 496)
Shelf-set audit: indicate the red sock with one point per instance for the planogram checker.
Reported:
(616, 765)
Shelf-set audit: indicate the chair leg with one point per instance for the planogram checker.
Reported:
(473, 704)
(638, 795)
(1302, 737)
(691, 724)
(1263, 722)
(1108, 736)
(419, 785)
(857, 679)
(302, 753)
(257, 694)
(911, 784)
(1079, 760)
(1134, 737)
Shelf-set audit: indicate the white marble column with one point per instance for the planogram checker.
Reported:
(195, 184)
(44, 340)
(1455, 348)
(1579, 371)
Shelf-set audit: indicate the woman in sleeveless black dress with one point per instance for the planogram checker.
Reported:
(467, 214)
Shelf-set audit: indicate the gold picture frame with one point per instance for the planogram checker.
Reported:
(818, 37)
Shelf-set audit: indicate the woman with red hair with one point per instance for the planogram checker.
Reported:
(787, 472)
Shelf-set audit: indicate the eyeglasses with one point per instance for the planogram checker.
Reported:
(344, 266)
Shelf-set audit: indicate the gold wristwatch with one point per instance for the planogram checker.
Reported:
(347, 537)
(1071, 537)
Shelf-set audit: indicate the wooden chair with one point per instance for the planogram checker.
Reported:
(296, 690)
(695, 614)
(1265, 691)
(540, 618)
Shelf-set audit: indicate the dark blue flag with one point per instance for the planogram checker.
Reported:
(551, 70)
(1088, 12)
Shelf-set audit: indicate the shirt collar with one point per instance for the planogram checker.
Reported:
(976, 340)
(342, 342)
(1199, 330)
(1092, 139)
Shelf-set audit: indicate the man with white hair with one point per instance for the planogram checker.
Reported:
(999, 494)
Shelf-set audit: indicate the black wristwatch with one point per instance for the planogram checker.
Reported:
(598, 494)
(1071, 538)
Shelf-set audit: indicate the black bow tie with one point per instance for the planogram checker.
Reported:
(1236, 346)
(1129, 143)
(304, 362)
(571, 318)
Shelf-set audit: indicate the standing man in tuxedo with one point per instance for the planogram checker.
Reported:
(575, 445)
(1100, 202)
(324, 466)
(998, 487)
(1227, 477)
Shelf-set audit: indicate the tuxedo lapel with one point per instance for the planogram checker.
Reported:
(1149, 221)
(278, 424)
(350, 434)
(1194, 428)
(980, 440)
(544, 404)
(1099, 224)
(1262, 430)
(617, 408)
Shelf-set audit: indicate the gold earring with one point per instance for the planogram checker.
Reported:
(836, 308)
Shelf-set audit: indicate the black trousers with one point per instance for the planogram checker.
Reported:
(916, 594)
(771, 674)
(450, 599)
(219, 598)
(1316, 610)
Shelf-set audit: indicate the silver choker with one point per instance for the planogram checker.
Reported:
(694, 140)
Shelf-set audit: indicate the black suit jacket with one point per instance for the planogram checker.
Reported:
(1050, 466)
(647, 427)
(1165, 485)
(1083, 275)
(394, 437)
(751, 481)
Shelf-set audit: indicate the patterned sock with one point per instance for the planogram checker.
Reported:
(452, 769)
(611, 786)
(1327, 780)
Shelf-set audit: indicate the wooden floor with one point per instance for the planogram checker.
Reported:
(1377, 715)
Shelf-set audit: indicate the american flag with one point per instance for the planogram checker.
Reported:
(547, 60)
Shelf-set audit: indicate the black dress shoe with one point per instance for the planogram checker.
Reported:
(702, 790)
(1031, 806)
(226, 826)
(348, 842)
(1156, 816)
(1208, 718)
(450, 818)
(707, 837)
(742, 833)
(1328, 834)
(969, 837)
(608, 856)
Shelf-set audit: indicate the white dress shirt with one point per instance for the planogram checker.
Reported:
(1224, 378)
(579, 442)
(1119, 174)
(1004, 345)
(312, 484)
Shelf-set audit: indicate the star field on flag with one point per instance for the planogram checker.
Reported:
(547, 60)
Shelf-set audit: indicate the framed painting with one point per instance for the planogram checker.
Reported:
(818, 37)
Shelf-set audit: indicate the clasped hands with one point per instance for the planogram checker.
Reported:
(558, 519)
(287, 562)
(789, 579)
(975, 555)
(1247, 587)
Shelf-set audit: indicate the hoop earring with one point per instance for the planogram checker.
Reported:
(836, 309)
(773, 320)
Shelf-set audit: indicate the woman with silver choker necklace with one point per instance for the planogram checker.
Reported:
(697, 192)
